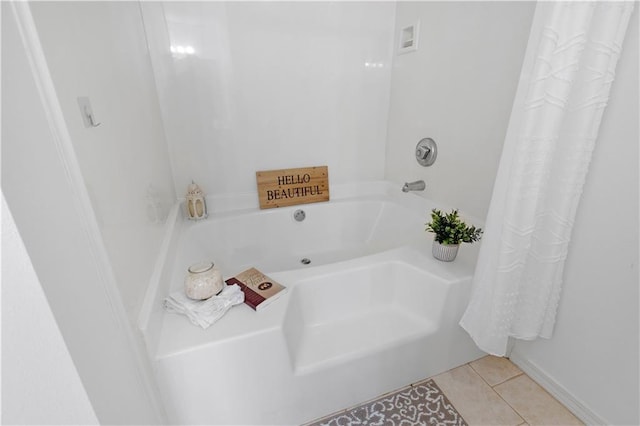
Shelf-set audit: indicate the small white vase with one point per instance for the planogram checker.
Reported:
(203, 280)
(444, 252)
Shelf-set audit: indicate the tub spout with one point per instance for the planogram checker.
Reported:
(418, 185)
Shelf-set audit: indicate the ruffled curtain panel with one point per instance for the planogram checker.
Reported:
(554, 124)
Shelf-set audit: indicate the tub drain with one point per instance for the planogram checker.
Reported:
(305, 261)
(299, 215)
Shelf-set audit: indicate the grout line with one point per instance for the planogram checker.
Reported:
(497, 384)
(524, 421)
(576, 407)
(551, 396)
(506, 380)
(543, 389)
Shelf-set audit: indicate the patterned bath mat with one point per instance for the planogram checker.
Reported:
(419, 404)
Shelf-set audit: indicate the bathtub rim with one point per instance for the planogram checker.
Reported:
(178, 336)
(151, 313)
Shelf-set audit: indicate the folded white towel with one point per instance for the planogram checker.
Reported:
(204, 312)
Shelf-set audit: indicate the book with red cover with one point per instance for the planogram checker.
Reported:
(259, 290)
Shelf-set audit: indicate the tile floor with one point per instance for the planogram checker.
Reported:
(493, 391)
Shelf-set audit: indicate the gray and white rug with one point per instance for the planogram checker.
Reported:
(419, 404)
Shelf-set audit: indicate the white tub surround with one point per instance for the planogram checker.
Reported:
(371, 313)
(98, 49)
(247, 86)
(456, 88)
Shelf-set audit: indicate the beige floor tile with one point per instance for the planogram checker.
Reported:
(495, 370)
(534, 404)
(474, 399)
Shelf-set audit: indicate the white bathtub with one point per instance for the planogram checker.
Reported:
(372, 312)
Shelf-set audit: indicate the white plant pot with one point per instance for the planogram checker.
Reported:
(444, 252)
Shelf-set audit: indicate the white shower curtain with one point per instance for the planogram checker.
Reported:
(562, 94)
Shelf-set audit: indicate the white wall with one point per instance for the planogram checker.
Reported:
(40, 384)
(44, 191)
(283, 85)
(98, 49)
(457, 88)
(593, 354)
(272, 85)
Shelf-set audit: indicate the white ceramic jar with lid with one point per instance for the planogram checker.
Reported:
(203, 280)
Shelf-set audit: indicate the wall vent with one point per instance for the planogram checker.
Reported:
(408, 38)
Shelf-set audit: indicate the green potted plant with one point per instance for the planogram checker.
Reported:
(450, 231)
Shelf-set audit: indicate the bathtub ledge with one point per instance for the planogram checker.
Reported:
(178, 335)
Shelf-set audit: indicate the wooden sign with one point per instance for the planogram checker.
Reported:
(288, 187)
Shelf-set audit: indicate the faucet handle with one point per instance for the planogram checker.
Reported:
(422, 152)
(426, 152)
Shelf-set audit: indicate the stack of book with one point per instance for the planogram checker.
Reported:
(259, 290)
